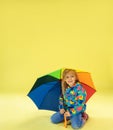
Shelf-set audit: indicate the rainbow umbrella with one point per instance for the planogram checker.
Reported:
(47, 89)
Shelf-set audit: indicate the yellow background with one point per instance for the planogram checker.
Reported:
(38, 37)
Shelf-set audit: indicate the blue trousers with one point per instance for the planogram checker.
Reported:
(76, 120)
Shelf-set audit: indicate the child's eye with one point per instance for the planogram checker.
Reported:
(72, 76)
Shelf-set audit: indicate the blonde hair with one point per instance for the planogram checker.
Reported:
(64, 84)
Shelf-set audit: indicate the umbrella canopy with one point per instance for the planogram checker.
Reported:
(86, 81)
(47, 89)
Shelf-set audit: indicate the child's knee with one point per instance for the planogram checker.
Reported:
(53, 120)
(78, 124)
(56, 118)
(75, 126)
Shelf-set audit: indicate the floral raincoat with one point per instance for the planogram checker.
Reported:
(73, 99)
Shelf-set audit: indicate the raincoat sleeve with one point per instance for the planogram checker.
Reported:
(77, 103)
(61, 102)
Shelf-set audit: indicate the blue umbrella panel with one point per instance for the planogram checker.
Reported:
(45, 93)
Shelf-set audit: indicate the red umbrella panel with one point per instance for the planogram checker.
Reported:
(86, 81)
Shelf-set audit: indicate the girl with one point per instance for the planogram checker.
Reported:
(72, 102)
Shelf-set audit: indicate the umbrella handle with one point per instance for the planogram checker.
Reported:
(65, 121)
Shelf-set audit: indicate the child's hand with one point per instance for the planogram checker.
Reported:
(62, 111)
(67, 114)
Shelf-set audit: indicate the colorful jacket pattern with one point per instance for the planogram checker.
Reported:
(73, 99)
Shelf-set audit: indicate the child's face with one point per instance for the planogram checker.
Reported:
(70, 78)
